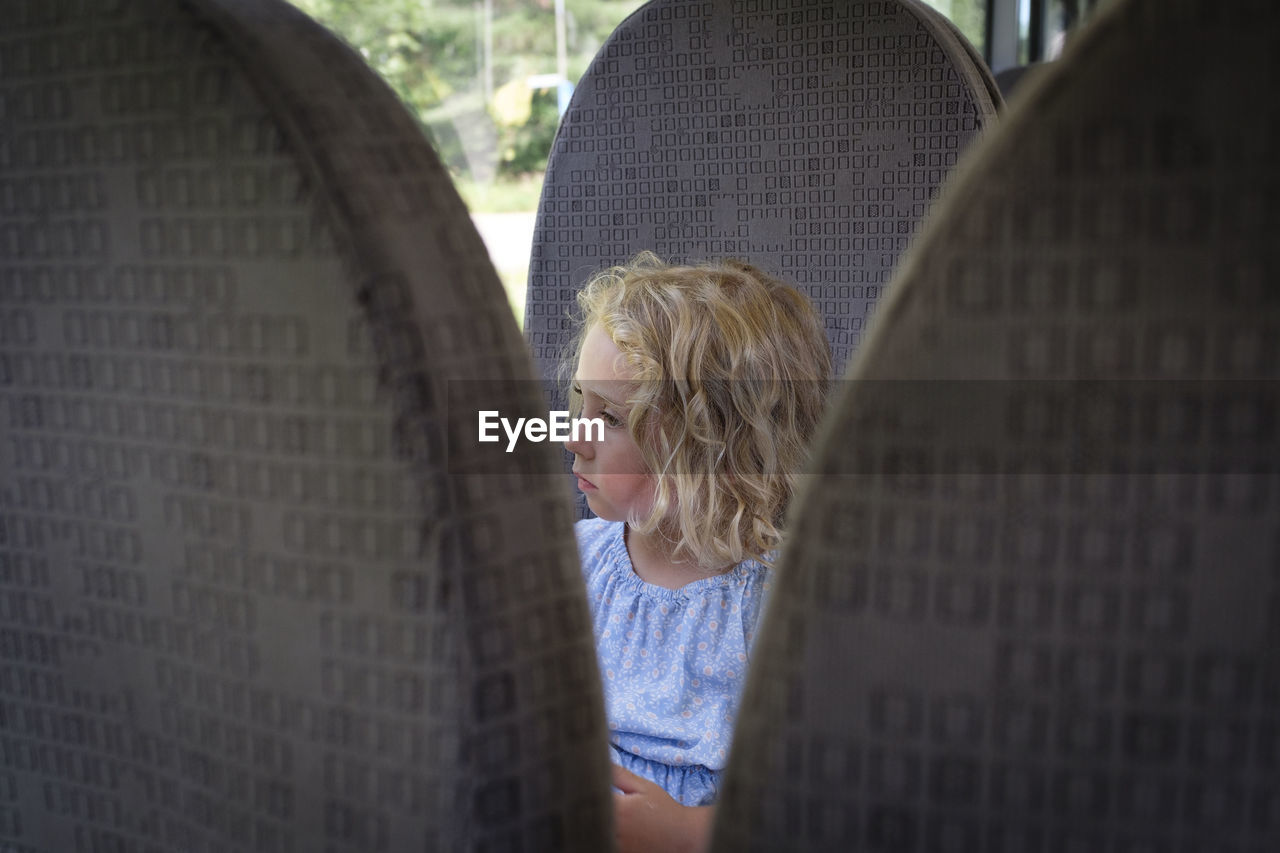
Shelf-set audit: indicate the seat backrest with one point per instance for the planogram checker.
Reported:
(1030, 601)
(809, 139)
(252, 596)
(1010, 78)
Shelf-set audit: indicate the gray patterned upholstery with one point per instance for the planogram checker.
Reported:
(1032, 602)
(250, 596)
(809, 138)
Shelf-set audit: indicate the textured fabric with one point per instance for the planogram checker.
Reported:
(673, 662)
(1030, 601)
(248, 600)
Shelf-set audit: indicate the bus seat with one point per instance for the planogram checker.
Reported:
(809, 139)
(1031, 600)
(255, 591)
(1008, 79)
(976, 69)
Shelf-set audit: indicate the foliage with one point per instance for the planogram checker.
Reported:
(530, 142)
(969, 15)
(433, 54)
(475, 102)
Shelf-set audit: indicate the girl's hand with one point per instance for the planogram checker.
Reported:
(648, 820)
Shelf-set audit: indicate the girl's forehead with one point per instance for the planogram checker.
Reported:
(600, 362)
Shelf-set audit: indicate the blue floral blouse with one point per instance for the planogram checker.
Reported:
(673, 662)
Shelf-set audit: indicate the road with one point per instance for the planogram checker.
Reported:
(509, 238)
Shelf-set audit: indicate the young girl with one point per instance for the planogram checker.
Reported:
(710, 380)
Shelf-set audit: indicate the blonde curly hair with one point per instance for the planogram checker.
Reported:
(732, 370)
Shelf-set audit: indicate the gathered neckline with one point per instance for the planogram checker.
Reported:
(625, 572)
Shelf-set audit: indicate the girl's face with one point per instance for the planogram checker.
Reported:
(611, 472)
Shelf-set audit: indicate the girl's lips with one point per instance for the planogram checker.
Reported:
(584, 484)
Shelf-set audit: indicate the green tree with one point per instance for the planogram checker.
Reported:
(446, 59)
(462, 66)
(969, 15)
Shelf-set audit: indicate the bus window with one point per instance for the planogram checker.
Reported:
(488, 80)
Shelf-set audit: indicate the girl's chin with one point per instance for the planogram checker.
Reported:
(601, 509)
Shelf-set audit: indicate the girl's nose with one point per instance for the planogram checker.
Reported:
(578, 447)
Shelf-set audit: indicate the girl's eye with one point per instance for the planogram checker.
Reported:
(609, 418)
